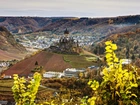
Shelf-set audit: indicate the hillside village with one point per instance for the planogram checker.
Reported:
(4, 65)
(45, 41)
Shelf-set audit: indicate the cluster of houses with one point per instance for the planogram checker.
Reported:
(40, 42)
(69, 72)
(4, 65)
(45, 41)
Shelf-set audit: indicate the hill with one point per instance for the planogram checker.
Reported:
(49, 62)
(5, 56)
(127, 42)
(8, 42)
(9, 48)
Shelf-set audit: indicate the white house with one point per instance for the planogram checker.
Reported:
(126, 61)
(51, 74)
(72, 72)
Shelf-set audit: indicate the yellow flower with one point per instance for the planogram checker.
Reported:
(105, 72)
(108, 55)
(15, 82)
(109, 51)
(95, 85)
(108, 42)
(109, 60)
(108, 47)
(92, 100)
(15, 76)
(116, 60)
(114, 47)
(90, 82)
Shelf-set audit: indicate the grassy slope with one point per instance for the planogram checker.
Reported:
(83, 60)
(77, 61)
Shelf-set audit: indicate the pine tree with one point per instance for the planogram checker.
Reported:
(36, 63)
(133, 57)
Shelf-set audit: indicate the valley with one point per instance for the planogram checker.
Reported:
(26, 41)
(67, 52)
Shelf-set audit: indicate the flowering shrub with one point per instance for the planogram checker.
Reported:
(119, 85)
(25, 94)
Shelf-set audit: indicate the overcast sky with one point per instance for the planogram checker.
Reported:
(66, 8)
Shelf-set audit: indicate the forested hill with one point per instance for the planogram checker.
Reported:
(128, 44)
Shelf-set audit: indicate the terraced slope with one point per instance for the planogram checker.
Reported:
(50, 62)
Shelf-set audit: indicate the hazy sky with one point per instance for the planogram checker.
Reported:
(74, 8)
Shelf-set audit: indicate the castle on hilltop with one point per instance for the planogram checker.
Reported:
(65, 45)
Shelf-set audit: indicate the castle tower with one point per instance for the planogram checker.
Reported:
(66, 33)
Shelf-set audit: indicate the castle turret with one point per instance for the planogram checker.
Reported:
(66, 33)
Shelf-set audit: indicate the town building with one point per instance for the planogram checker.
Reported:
(73, 72)
(51, 74)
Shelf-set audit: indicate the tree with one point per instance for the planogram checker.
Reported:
(133, 57)
(36, 63)
(127, 52)
(25, 94)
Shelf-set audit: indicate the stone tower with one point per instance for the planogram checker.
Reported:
(66, 33)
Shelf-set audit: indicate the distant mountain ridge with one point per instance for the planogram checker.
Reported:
(76, 25)
(98, 28)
